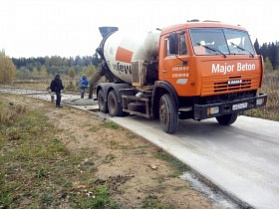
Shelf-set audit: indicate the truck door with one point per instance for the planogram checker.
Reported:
(174, 60)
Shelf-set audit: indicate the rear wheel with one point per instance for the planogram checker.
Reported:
(168, 114)
(101, 102)
(114, 107)
(227, 119)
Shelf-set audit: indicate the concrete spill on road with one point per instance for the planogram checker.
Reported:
(218, 198)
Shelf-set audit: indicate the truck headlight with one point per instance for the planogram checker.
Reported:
(212, 110)
(259, 101)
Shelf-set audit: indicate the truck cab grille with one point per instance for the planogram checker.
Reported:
(236, 84)
(229, 84)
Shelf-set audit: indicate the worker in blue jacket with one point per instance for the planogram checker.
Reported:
(83, 84)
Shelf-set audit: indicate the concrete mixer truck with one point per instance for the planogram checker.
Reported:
(194, 70)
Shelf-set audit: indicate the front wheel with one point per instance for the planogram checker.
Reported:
(227, 119)
(168, 114)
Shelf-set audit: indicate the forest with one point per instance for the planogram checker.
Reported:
(270, 51)
(32, 67)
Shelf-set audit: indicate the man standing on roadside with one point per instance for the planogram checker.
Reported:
(83, 83)
(56, 86)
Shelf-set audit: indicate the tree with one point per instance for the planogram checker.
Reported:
(43, 72)
(89, 71)
(257, 46)
(267, 65)
(7, 68)
(79, 61)
(35, 72)
(23, 73)
(96, 60)
(72, 73)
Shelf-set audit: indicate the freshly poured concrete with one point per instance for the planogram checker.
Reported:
(242, 159)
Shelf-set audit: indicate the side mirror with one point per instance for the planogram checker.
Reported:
(173, 43)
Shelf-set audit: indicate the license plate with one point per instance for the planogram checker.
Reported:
(240, 106)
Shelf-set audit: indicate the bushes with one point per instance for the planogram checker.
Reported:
(7, 69)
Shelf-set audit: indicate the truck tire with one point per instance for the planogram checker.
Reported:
(114, 107)
(227, 119)
(168, 114)
(101, 102)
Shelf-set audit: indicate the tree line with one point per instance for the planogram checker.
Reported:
(56, 61)
(269, 51)
(42, 66)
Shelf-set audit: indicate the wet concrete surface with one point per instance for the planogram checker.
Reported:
(242, 160)
(67, 98)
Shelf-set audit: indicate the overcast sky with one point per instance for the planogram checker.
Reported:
(32, 28)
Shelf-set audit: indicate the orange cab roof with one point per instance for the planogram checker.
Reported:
(205, 24)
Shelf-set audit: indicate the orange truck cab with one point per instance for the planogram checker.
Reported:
(213, 69)
(201, 70)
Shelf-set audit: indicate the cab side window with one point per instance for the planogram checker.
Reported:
(182, 49)
(176, 44)
(169, 53)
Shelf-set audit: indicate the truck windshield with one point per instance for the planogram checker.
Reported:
(209, 41)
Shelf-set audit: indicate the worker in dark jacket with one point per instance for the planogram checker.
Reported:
(56, 86)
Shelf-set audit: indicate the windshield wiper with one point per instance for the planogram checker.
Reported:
(212, 49)
(245, 50)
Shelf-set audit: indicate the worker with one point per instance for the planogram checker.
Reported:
(83, 83)
(56, 86)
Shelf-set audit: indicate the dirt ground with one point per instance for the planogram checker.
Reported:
(125, 162)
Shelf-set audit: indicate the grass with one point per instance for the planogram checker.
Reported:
(111, 125)
(153, 202)
(37, 170)
(109, 158)
(178, 167)
(271, 87)
(10, 112)
(43, 84)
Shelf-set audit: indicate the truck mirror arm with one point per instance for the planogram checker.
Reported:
(184, 62)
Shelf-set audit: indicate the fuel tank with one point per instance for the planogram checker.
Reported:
(120, 50)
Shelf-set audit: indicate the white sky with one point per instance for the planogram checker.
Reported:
(32, 28)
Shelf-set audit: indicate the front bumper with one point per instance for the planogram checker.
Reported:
(225, 108)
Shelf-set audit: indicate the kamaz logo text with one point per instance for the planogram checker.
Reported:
(233, 82)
